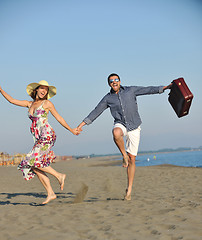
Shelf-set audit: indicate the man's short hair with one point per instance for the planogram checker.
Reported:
(111, 75)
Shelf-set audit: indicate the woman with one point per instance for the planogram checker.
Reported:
(38, 160)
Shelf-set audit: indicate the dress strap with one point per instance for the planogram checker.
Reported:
(30, 105)
(43, 102)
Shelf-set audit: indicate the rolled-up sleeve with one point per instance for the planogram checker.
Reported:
(102, 105)
(161, 89)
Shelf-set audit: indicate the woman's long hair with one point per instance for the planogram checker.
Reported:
(34, 92)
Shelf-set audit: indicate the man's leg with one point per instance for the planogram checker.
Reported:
(131, 174)
(119, 141)
(132, 144)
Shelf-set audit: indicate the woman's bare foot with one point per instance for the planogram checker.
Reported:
(62, 181)
(125, 161)
(49, 198)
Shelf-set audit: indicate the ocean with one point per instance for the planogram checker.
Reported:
(186, 159)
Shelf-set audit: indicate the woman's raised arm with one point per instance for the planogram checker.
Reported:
(21, 103)
(49, 105)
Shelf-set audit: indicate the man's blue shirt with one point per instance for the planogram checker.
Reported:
(123, 106)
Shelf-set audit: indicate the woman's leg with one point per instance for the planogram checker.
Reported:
(46, 183)
(60, 176)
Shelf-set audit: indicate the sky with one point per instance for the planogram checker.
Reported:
(76, 44)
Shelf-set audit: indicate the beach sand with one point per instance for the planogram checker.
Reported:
(166, 203)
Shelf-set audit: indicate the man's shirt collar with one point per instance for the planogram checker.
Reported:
(121, 88)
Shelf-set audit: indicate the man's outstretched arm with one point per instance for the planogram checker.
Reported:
(102, 105)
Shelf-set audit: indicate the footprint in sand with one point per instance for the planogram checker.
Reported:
(81, 194)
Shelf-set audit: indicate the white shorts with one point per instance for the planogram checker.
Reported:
(132, 138)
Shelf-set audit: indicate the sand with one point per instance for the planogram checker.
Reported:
(166, 203)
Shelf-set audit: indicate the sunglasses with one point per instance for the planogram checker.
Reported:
(112, 80)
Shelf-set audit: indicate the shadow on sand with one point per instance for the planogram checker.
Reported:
(70, 198)
(10, 196)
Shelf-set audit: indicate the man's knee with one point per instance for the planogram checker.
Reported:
(117, 133)
(131, 159)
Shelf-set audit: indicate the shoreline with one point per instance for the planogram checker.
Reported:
(14, 160)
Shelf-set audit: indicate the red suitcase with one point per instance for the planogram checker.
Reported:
(180, 97)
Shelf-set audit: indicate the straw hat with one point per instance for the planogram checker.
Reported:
(52, 90)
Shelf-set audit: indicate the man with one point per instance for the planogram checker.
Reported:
(123, 106)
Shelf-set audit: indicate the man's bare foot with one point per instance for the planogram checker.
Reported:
(62, 181)
(125, 161)
(127, 196)
(49, 198)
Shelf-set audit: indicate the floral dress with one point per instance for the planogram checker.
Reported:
(44, 138)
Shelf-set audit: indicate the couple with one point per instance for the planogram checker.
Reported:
(123, 106)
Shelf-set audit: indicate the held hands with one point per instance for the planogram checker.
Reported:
(80, 126)
(75, 131)
(78, 130)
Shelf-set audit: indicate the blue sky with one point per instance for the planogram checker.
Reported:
(76, 44)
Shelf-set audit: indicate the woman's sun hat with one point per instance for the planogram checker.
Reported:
(51, 92)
